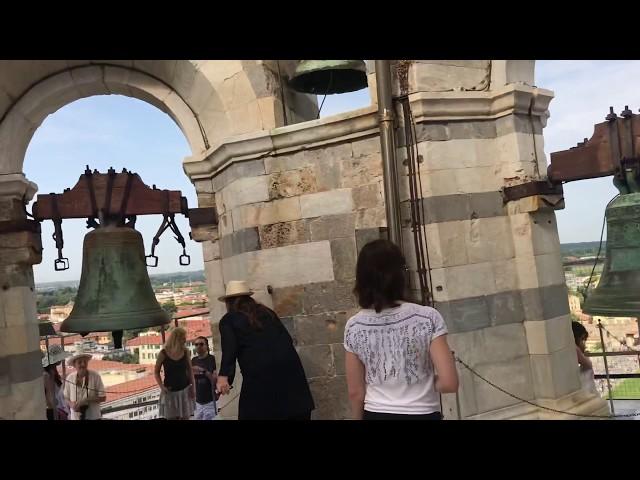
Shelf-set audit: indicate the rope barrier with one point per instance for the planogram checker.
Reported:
(228, 403)
(627, 415)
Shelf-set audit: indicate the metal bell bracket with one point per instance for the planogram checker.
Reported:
(61, 263)
(168, 222)
(117, 197)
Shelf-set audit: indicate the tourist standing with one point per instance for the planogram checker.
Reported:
(177, 390)
(204, 372)
(84, 390)
(57, 408)
(580, 336)
(397, 358)
(274, 385)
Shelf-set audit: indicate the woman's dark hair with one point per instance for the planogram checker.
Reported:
(206, 341)
(52, 370)
(252, 309)
(579, 332)
(380, 276)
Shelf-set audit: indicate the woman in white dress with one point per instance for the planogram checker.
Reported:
(580, 336)
(57, 408)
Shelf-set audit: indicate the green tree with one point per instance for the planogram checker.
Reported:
(125, 357)
(170, 308)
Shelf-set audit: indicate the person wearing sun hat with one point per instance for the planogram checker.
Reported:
(83, 390)
(274, 384)
(57, 408)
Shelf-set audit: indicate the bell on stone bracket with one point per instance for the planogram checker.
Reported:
(115, 292)
(618, 292)
(326, 77)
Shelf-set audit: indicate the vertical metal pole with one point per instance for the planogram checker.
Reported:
(388, 151)
(606, 366)
(638, 322)
(64, 364)
(459, 412)
(46, 345)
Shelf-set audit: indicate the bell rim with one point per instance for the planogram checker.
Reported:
(357, 81)
(117, 321)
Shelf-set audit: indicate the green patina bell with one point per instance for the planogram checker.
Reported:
(326, 77)
(115, 292)
(618, 292)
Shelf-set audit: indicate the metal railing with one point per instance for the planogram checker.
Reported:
(621, 385)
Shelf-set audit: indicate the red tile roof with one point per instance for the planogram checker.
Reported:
(191, 312)
(145, 340)
(131, 388)
(195, 328)
(105, 365)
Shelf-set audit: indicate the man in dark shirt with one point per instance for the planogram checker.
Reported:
(204, 372)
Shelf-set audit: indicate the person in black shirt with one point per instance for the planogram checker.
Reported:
(274, 385)
(204, 372)
(177, 390)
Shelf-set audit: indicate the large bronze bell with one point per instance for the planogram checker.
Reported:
(326, 77)
(618, 292)
(115, 292)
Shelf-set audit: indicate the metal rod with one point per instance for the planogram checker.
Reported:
(459, 410)
(606, 367)
(638, 322)
(64, 368)
(614, 354)
(388, 150)
(46, 345)
(615, 376)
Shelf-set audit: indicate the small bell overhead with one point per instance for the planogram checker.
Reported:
(618, 292)
(326, 77)
(115, 291)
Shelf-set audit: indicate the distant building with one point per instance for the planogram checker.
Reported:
(122, 404)
(574, 304)
(149, 344)
(59, 313)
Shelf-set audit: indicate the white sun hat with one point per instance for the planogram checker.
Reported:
(236, 288)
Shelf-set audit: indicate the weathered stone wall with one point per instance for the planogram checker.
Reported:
(295, 222)
(497, 274)
(209, 100)
(21, 386)
(297, 203)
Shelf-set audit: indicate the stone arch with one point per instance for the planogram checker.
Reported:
(209, 100)
(27, 111)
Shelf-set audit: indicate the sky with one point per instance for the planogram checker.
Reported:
(121, 132)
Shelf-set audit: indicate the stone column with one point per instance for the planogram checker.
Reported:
(497, 271)
(297, 203)
(293, 221)
(21, 385)
(209, 237)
